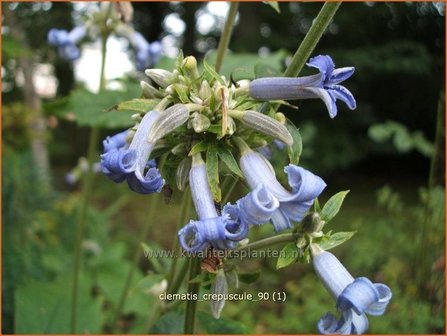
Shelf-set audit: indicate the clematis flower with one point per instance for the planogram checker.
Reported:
(270, 199)
(147, 54)
(121, 161)
(354, 297)
(66, 41)
(324, 85)
(220, 231)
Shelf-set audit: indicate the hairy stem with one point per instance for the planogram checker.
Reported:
(193, 288)
(311, 39)
(260, 244)
(226, 35)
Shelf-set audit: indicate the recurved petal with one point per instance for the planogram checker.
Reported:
(119, 161)
(235, 228)
(190, 238)
(324, 64)
(115, 142)
(69, 51)
(115, 177)
(342, 93)
(168, 121)
(339, 75)
(257, 206)
(296, 210)
(328, 99)
(358, 295)
(77, 33)
(349, 323)
(305, 185)
(149, 183)
(379, 307)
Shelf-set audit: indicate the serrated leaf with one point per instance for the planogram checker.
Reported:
(287, 256)
(249, 278)
(336, 239)
(333, 205)
(198, 147)
(274, 5)
(136, 105)
(210, 73)
(229, 160)
(297, 146)
(212, 171)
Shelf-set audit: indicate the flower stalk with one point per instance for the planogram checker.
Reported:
(226, 35)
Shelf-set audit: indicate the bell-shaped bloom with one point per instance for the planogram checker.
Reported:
(324, 85)
(66, 41)
(220, 231)
(354, 297)
(147, 54)
(270, 199)
(121, 161)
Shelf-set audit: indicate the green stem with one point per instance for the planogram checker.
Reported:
(136, 257)
(184, 214)
(230, 189)
(193, 288)
(311, 39)
(85, 198)
(226, 35)
(260, 244)
(179, 279)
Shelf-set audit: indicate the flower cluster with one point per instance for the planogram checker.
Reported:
(194, 120)
(101, 23)
(354, 297)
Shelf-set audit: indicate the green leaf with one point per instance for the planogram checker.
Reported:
(210, 73)
(335, 239)
(332, 206)
(265, 70)
(241, 73)
(198, 147)
(170, 323)
(229, 160)
(137, 105)
(249, 278)
(90, 109)
(44, 308)
(274, 5)
(287, 256)
(297, 146)
(220, 326)
(212, 171)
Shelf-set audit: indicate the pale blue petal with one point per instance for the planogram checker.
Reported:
(296, 210)
(359, 323)
(190, 238)
(116, 141)
(150, 182)
(280, 221)
(201, 192)
(77, 33)
(328, 100)
(69, 52)
(119, 161)
(305, 185)
(257, 207)
(379, 307)
(332, 273)
(285, 88)
(342, 93)
(235, 229)
(349, 323)
(358, 295)
(324, 64)
(339, 75)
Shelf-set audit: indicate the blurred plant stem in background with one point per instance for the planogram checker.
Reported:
(87, 184)
(37, 124)
(226, 35)
(425, 259)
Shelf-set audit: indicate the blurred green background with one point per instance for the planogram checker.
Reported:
(389, 152)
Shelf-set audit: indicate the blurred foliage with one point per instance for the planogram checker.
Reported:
(397, 49)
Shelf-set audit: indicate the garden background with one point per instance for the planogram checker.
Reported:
(389, 152)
